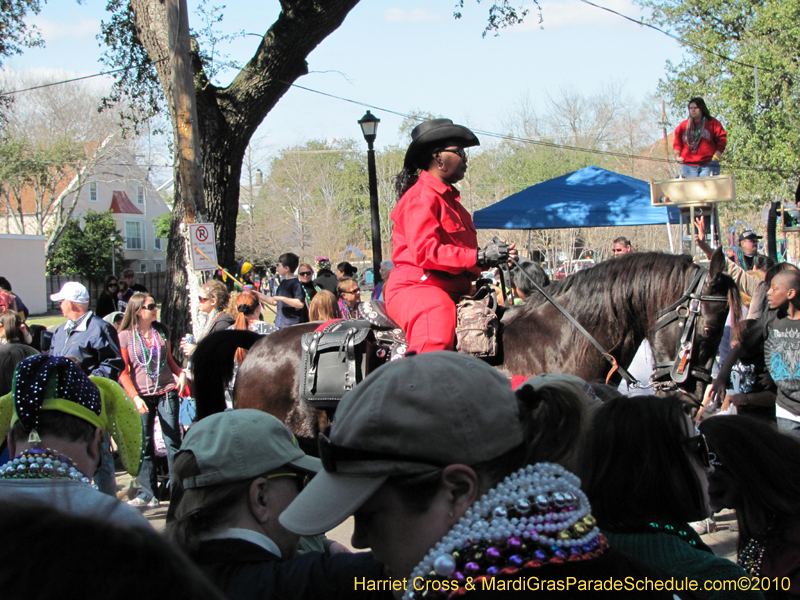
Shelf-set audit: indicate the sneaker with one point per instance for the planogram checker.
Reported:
(137, 502)
(153, 502)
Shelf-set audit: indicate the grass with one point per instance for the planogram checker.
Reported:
(47, 320)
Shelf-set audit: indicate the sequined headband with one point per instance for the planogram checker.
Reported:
(57, 383)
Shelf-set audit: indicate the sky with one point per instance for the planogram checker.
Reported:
(403, 56)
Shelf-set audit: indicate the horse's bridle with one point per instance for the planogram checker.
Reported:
(686, 310)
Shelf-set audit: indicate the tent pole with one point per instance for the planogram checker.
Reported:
(669, 234)
(529, 245)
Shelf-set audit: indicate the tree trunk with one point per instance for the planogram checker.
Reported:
(228, 117)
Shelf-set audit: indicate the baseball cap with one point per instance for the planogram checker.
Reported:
(236, 445)
(411, 416)
(72, 291)
(749, 234)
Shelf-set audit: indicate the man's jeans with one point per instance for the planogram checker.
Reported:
(105, 479)
(704, 170)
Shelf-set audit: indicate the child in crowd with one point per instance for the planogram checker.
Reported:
(778, 330)
(289, 297)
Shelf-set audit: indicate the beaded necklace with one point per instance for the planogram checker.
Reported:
(305, 291)
(42, 463)
(751, 557)
(212, 318)
(536, 516)
(149, 357)
(347, 312)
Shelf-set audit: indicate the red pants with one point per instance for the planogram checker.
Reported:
(426, 312)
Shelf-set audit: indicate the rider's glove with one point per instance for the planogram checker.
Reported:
(494, 253)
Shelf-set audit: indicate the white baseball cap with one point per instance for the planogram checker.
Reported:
(72, 291)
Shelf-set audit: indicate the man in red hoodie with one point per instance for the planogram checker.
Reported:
(699, 142)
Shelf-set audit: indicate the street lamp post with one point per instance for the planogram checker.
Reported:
(369, 127)
(113, 238)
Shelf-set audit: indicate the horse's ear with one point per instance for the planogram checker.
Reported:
(717, 265)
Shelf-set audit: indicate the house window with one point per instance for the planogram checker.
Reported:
(140, 195)
(156, 240)
(159, 266)
(142, 267)
(134, 235)
(92, 191)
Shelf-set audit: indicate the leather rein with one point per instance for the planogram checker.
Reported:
(686, 308)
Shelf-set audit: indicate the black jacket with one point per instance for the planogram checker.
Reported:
(327, 280)
(246, 571)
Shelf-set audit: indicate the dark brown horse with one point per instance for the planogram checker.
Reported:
(617, 301)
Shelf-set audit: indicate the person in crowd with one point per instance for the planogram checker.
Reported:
(521, 277)
(213, 298)
(153, 379)
(349, 295)
(443, 490)
(13, 329)
(324, 307)
(131, 286)
(56, 421)
(7, 301)
(778, 332)
(114, 561)
(249, 319)
(646, 488)
(88, 339)
(305, 273)
(755, 474)
(345, 269)
(273, 281)
(236, 472)
(5, 285)
(434, 242)
(114, 319)
(10, 357)
(245, 275)
(699, 142)
(289, 297)
(107, 300)
(386, 267)
(621, 246)
(325, 277)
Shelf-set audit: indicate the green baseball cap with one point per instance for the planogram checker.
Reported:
(240, 444)
(411, 416)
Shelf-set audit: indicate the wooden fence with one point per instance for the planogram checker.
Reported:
(154, 282)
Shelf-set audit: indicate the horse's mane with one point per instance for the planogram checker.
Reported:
(616, 291)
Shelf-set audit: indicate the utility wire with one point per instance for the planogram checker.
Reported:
(677, 38)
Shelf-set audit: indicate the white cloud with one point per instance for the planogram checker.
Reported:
(570, 13)
(417, 15)
(53, 30)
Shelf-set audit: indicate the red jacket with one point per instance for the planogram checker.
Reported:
(713, 139)
(434, 239)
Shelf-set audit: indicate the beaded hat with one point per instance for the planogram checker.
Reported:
(44, 382)
(411, 416)
(237, 445)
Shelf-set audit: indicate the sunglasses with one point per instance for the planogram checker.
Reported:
(331, 455)
(355, 291)
(151, 306)
(698, 446)
(112, 285)
(459, 151)
(302, 478)
(302, 273)
(201, 299)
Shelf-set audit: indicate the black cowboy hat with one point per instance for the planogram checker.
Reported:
(437, 131)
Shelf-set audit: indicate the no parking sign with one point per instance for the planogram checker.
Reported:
(201, 238)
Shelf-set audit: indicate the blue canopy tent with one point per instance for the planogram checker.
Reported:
(591, 197)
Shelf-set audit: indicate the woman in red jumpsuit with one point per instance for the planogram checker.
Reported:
(434, 242)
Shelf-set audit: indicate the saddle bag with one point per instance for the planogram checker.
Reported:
(334, 361)
(477, 326)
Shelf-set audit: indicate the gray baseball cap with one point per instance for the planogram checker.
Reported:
(237, 445)
(414, 415)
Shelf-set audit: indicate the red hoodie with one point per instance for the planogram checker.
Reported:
(712, 139)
